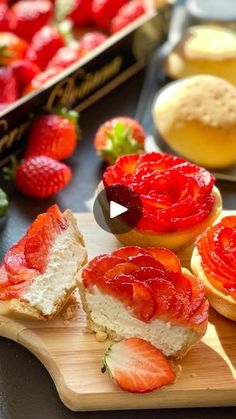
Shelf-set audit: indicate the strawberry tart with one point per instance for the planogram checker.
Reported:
(214, 263)
(38, 273)
(179, 199)
(144, 293)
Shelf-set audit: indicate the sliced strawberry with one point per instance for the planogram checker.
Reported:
(99, 266)
(3, 278)
(147, 272)
(198, 292)
(166, 257)
(175, 194)
(145, 260)
(164, 293)
(126, 252)
(201, 315)
(217, 248)
(143, 304)
(121, 287)
(137, 366)
(121, 268)
(37, 245)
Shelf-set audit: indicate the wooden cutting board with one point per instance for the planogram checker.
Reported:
(73, 358)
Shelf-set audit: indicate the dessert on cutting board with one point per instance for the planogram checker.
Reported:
(179, 199)
(144, 293)
(196, 117)
(214, 263)
(38, 273)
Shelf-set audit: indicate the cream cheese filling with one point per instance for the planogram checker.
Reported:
(111, 314)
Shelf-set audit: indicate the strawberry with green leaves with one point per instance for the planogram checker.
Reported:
(117, 137)
(137, 366)
(12, 48)
(54, 135)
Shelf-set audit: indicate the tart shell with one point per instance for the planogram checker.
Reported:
(220, 301)
(175, 240)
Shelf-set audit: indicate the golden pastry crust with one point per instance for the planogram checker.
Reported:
(220, 301)
(195, 333)
(22, 309)
(196, 116)
(173, 241)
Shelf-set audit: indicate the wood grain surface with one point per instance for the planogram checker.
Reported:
(73, 358)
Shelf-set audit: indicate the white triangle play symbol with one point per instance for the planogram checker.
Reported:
(116, 209)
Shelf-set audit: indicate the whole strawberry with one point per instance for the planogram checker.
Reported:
(41, 80)
(44, 45)
(9, 90)
(24, 71)
(81, 12)
(6, 18)
(104, 10)
(64, 57)
(119, 136)
(12, 48)
(127, 14)
(30, 16)
(41, 176)
(54, 136)
(90, 41)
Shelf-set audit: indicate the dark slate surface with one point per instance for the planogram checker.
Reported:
(26, 389)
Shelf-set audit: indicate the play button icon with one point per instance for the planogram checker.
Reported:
(117, 208)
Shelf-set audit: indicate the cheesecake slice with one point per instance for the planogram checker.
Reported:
(144, 293)
(38, 273)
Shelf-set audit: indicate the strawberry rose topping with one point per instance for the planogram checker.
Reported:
(175, 194)
(217, 248)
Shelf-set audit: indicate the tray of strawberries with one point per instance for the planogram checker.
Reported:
(65, 53)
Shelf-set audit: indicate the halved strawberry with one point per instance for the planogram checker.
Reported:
(166, 257)
(137, 366)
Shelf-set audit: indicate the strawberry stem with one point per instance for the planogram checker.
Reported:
(3, 203)
(72, 115)
(120, 142)
(10, 171)
(65, 29)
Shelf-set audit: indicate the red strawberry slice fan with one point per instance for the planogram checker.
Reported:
(185, 12)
